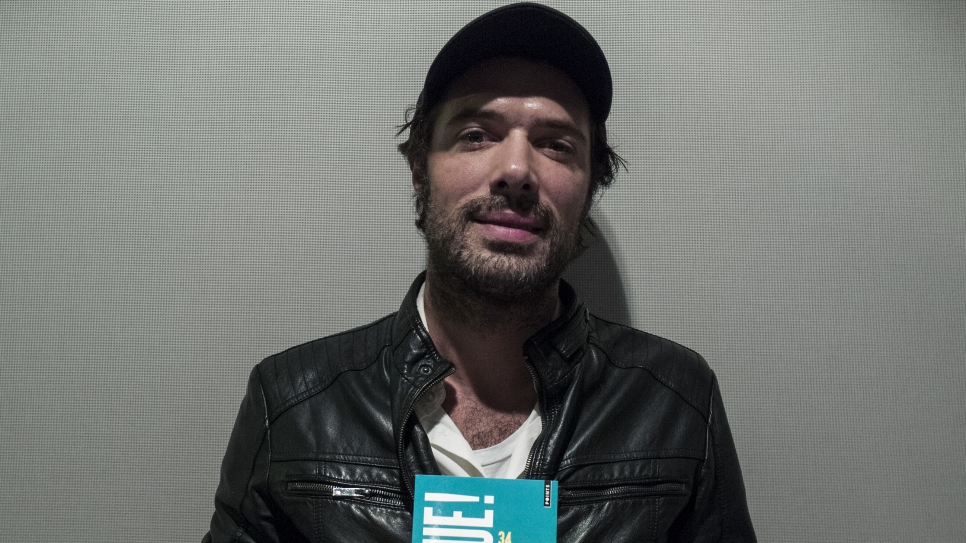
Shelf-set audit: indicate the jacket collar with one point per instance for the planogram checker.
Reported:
(552, 350)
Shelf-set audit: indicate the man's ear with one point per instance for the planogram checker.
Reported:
(417, 174)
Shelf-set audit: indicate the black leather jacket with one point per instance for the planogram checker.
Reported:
(326, 444)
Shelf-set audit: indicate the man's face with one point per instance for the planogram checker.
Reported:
(508, 177)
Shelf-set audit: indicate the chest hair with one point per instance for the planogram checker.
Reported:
(483, 427)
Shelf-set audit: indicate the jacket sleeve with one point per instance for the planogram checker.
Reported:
(718, 511)
(243, 505)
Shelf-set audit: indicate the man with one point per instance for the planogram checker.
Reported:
(491, 367)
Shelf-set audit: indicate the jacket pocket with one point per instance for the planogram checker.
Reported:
(346, 491)
(634, 509)
(583, 494)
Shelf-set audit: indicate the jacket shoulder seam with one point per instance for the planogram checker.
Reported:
(302, 371)
(676, 367)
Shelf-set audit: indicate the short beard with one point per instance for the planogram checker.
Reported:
(505, 275)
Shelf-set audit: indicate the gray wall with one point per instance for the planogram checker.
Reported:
(188, 187)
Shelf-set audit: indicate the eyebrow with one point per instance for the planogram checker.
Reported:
(472, 114)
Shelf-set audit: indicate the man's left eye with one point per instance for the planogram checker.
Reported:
(559, 146)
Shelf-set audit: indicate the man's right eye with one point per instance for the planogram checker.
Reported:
(473, 136)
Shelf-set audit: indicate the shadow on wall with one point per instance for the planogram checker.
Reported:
(596, 278)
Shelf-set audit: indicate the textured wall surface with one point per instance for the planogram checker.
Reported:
(187, 187)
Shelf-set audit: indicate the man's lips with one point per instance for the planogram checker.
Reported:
(509, 219)
(509, 226)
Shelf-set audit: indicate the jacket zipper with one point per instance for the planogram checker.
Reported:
(543, 418)
(657, 487)
(321, 489)
(545, 414)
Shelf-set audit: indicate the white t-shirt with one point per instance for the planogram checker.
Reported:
(453, 454)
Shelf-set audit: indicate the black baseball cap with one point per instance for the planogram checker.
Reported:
(531, 31)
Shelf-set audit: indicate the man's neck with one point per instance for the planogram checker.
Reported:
(492, 390)
(469, 313)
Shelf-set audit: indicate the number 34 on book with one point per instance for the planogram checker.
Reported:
(477, 510)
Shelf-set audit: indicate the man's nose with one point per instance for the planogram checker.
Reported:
(514, 171)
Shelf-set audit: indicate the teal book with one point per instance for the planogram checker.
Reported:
(479, 510)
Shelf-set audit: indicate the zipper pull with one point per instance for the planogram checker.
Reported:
(349, 492)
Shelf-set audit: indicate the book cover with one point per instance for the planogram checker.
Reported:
(480, 510)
